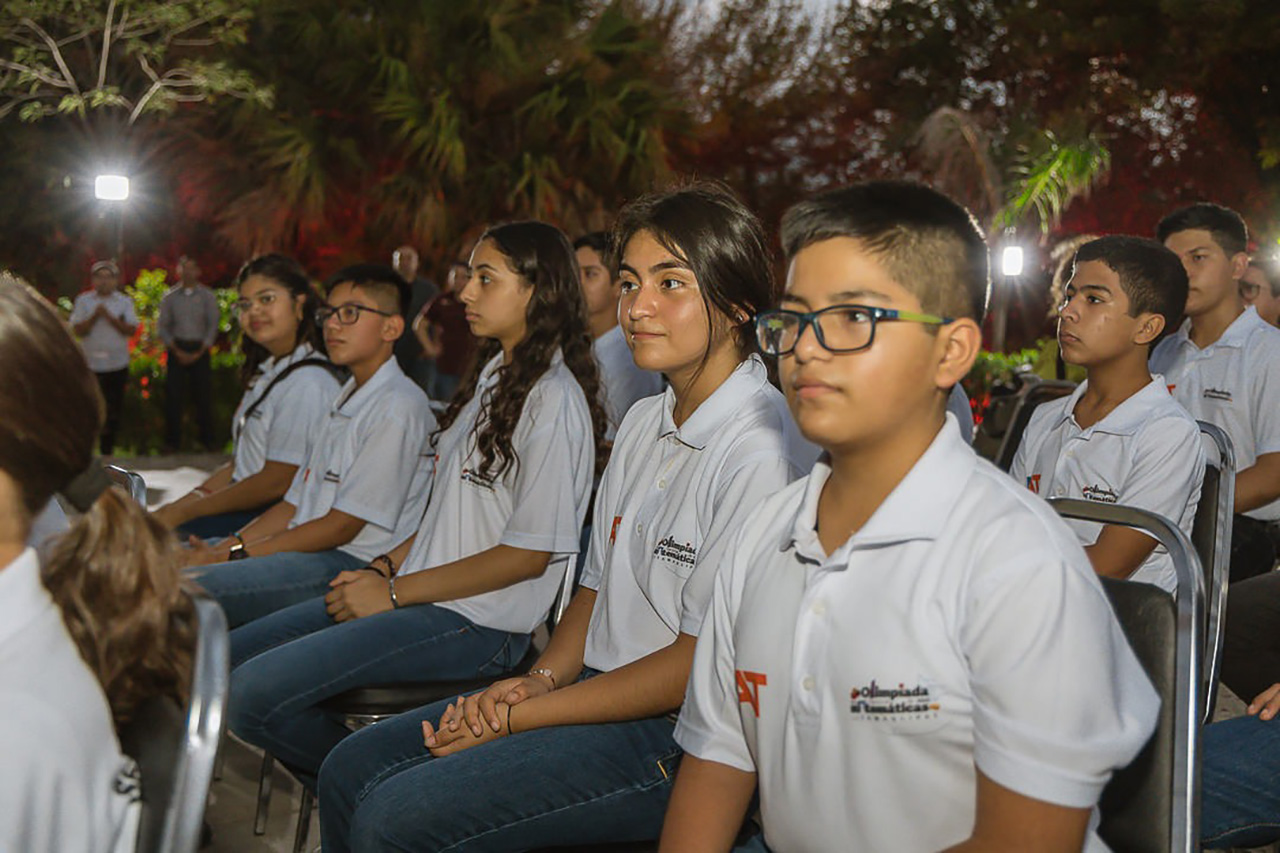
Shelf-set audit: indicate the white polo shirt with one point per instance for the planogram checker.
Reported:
(538, 505)
(66, 785)
(958, 405)
(281, 428)
(1234, 383)
(961, 628)
(1146, 453)
(105, 348)
(371, 458)
(670, 504)
(621, 381)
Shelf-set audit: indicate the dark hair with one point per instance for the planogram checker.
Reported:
(114, 574)
(928, 243)
(1270, 270)
(719, 239)
(379, 280)
(1225, 225)
(555, 319)
(289, 274)
(596, 241)
(1152, 276)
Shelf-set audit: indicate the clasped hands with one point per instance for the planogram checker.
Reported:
(481, 717)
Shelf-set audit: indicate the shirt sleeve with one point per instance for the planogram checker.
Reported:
(1030, 621)
(710, 725)
(550, 489)
(80, 311)
(305, 398)
(601, 531)
(759, 474)
(1024, 458)
(1266, 401)
(212, 317)
(1167, 471)
(376, 484)
(129, 312)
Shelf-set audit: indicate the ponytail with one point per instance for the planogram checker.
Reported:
(114, 575)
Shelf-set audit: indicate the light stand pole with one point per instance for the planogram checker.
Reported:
(1010, 269)
(114, 189)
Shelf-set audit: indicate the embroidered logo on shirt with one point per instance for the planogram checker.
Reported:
(1100, 494)
(874, 702)
(1171, 387)
(676, 552)
(475, 478)
(1217, 394)
(613, 531)
(332, 477)
(1033, 483)
(749, 684)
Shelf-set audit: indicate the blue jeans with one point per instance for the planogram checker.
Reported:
(294, 659)
(381, 790)
(218, 526)
(253, 588)
(1240, 788)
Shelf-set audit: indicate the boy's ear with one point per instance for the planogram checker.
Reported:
(959, 343)
(1149, 328)
(392, 328)
(1239, 265)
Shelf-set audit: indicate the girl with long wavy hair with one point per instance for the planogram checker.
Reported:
(581, 749)
(515, 461)
(289, 385)
(104, 625)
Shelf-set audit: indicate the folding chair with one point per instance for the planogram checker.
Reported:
(175, 748)
(1154, 803)
(1031, 396)
(363, 706)
(1211, 535)
(131, 481)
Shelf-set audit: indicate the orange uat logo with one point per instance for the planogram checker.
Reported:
(749, 684)
(613, 531)
(1033, 483)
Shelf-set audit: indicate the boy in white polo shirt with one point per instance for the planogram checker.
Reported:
(1221, 365)
(364, 485)
(886, 648)
(1120, 438)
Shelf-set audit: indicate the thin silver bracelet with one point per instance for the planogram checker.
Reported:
(391, 587)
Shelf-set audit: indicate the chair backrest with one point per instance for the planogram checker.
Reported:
(175, 749)
(1153, 804)
(1211, 535)
(131, 481)
(1029, 398)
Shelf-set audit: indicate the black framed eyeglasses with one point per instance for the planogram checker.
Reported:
(348, 314)
(839, 328)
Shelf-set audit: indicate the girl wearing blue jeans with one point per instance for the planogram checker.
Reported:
(514, 463)
(580, 750)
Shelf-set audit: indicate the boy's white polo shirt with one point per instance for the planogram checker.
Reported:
(961, 628)
(622, 383)
(1146, 453)
(538, 505)
(1233, 383)
(281, 428)
(371, 458)
(671, 503)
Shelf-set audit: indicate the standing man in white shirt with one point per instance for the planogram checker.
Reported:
(621, 381)
(188, 325)
(1222, 367)
(104, 318)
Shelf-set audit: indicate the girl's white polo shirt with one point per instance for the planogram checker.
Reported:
(370, 458)
(961, 628)
(282, 427)
(538, 505)
(66, 785)
(671, 502)
(1146, 453)
(1233, 383)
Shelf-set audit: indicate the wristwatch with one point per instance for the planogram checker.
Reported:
(238, 552)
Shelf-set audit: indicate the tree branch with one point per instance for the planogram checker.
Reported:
(57, 53)
(106, 44)
(39, 75)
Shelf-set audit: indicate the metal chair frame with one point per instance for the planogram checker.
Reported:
(130, 481)
(1218, 568)
(1189, 605)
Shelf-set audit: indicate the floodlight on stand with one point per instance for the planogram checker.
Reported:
(1011, 261)
(111, 187)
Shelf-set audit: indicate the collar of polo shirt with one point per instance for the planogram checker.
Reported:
(707, 419)
(1126, 418)
(352, 399)
(1235, 335)
(917, 509)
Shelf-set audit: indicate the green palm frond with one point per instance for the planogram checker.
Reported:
(1051, 177)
